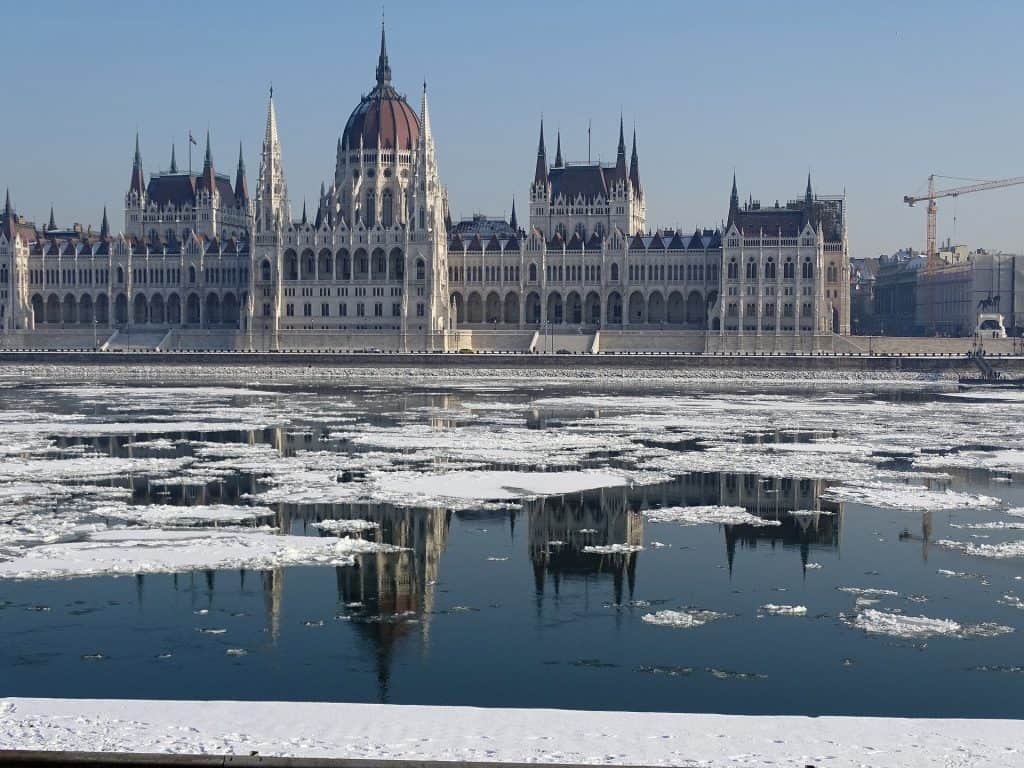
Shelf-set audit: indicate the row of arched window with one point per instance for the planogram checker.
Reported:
(770, 273)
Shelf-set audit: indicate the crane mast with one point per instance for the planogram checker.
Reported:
(930, 237)
(931, 251)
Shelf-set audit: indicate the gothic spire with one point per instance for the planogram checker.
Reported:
(241, 187)
(540, 176)
(174, 161)
(207, 180)
(53, 224)
(271, 192)
(8, 208)
(320, 208)
(809, 194)
(105, 226)
(734, 200)
(634, 167)
(620, 157)
(558, 151)
(138, 184)
(383, 68)
(305, 220)
(512, 219)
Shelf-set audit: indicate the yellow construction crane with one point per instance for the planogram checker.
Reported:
(934, 195)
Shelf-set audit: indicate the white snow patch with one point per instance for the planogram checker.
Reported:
(909, 497)
(466, 734)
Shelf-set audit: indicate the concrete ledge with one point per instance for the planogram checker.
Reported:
(25, 759)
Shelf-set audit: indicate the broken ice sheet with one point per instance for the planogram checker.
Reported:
(687, 618)
(908, 497)
(133, 551)
(707, 515)
(878, 622)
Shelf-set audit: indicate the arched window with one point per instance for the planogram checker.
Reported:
(600, 229)
(808, 269)
(615, 272)
(265, 271)
(734, 270)
(421, 270)
(769, 269)
(788, 269)
(120, 275)
(533, 273)
(751, 270)
(3, 274)
(560, 229)
(387, 208)
(833, 273)
(581, 229)
(370, 212)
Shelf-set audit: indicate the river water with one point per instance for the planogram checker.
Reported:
(596, 544)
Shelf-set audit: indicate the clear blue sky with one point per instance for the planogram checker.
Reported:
(869, 97)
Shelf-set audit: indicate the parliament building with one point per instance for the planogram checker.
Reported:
(203, 263)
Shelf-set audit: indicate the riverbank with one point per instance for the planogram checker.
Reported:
(950, 365)
(466, 734)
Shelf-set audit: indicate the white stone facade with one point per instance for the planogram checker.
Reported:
(379, 264)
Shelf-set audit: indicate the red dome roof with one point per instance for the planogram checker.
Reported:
(383, 119)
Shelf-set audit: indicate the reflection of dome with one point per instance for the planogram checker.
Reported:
(383, 119)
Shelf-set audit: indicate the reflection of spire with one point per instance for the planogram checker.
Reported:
(385, 586)
(606, 517)
(273, 587)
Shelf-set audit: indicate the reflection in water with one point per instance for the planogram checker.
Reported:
(561, 527)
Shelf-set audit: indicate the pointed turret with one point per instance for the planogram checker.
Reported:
(809, 194)
(271, 192)
(174, 161)
(105, 225)
(383, 68)
(320, 208)
(241, 187)
(512, 222)
(7, 222)
(634, 169)
(8, 208)
(305, 220)
(540, 176)
(734, 200)
(207, 180)
(138, 183)
(620, 155)
(558, 151)
(52, 225)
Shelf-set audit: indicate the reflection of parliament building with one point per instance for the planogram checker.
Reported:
(593, 518)
(612, 515)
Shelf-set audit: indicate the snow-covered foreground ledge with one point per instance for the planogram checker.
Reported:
(389, 732)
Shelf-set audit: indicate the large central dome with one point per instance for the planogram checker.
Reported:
(383, 119)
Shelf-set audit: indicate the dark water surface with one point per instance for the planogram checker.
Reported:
(482, 610)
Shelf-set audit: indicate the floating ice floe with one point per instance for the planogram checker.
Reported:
(346, 526)
(689, 618)
(921, 627)
(869, 592)
(784, 610)
(613, 549)
(909, 497)
(417, 489)
(133, 551)
(1002, 550)
(169, 515)
(707, 515)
